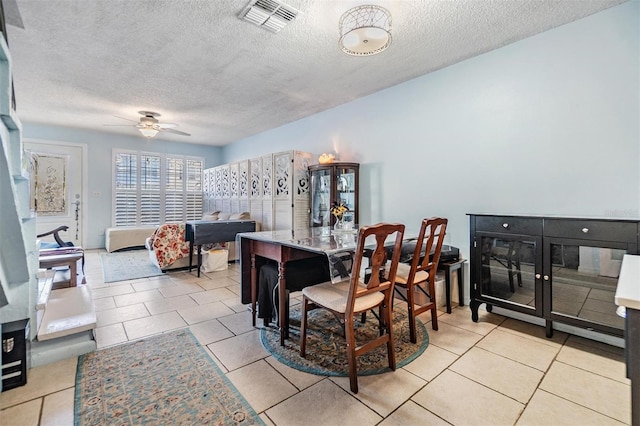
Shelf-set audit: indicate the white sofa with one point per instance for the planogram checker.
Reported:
(127, 237)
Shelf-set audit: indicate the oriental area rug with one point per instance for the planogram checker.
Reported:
(160, 380)
(326, 346)
(127, 265)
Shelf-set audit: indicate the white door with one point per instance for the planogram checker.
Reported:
(56, 188)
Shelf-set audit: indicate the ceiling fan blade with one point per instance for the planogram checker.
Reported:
(177, 132)
(167, 125)
(128, 119)
(119, 125)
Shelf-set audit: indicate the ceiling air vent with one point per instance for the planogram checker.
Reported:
(269, 14)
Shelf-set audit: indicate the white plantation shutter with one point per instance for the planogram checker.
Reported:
(154, 188)
(126, 177)
(150, 189)
(193, 207)
(174, 207)
(126, 209)
(175, 174)
(193, 201)
(174, 187)
(149, 208)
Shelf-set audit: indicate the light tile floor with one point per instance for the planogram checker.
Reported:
(499, 371)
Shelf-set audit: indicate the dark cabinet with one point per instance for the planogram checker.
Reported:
(558, 269)
(332, 184)
(15, 347)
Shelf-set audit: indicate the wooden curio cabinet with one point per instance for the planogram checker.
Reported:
(332, 184)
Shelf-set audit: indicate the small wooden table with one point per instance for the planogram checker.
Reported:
(51, 259)
(448, 268)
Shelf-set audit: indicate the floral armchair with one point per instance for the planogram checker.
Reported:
(168, 244)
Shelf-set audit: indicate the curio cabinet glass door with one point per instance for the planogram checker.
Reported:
(331, 185)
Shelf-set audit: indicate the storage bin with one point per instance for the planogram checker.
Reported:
(215, 260)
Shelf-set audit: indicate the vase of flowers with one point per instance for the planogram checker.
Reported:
(338, 210)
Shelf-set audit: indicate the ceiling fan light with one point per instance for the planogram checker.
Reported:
(148, 132)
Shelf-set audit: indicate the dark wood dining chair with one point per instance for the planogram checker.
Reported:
(422, 272)
(354, 296)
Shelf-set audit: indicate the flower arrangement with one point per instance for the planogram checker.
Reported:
(338, 210)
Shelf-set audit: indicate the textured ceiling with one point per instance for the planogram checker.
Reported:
(79, 63)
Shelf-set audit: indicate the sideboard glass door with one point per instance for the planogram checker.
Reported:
(508, 272)
(582, 284)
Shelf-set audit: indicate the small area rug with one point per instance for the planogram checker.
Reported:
(164, 379)
(326, 346)
(127, 265)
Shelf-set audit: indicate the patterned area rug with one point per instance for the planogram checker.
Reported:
(127, 265)
(326, 347)
(165, 379)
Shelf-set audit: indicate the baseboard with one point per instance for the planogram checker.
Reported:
(587, 334)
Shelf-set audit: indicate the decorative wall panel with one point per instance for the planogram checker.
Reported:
(274, 189)
(49, 179)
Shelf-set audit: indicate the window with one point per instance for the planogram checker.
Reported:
(150, 189)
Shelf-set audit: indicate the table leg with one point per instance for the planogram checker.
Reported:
(447, 286)
(73, 270)
(254, 289)
(461, 285)
(190, 255)
(199, 248)
(283, 321)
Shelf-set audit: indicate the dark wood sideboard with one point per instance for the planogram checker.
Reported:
(560, 269)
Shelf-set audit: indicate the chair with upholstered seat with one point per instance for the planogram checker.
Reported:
(422, 271)
(56, 236)
(359, 294)
(58, 245)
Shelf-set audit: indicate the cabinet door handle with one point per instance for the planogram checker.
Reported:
(585, 230)
(537, 276)
(546, 277)
(505, 225)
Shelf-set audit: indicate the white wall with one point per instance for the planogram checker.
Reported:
(547, 125)
(99, 154)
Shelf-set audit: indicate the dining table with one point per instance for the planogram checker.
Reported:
(286, 246)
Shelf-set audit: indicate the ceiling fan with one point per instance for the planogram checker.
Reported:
(149, 126)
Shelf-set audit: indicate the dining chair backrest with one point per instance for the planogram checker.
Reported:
(378, 263)
(429, 242)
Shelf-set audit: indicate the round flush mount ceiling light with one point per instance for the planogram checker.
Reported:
(365, 30)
